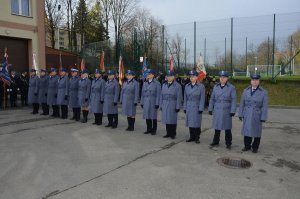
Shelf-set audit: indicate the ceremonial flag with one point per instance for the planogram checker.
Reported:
(145, 67)
(121, 70)
(171, 63)
(101, 66)
(82, 65)
(4, 75)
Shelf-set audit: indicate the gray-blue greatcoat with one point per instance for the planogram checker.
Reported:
(84, 90)
(253, 109)
(150, 98)
(97, 95)
(63, 90)
(52, 90)
(194, 99)
(170, 100)
(129, 97)
(33, 89)
(222, 103)
(111, 96)
(73, 92)
(43, 88)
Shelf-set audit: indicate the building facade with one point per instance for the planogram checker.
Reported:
(22, 32)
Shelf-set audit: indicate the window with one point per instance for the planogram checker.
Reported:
(20, 7)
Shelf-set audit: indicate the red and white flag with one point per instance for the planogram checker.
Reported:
(171, 63)
(101, 66)
(121, 70)
(82, 65)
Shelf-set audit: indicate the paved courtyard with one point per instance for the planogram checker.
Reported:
(42, 157)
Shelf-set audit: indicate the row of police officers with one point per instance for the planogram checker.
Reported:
(101, 97)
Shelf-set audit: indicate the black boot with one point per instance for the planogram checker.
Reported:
(77, 114)
(154, 127)
(110, 120)
(197, 132)
(115, 121)
(96, 118)
(85, 114)
(192, 136)
(149, 126)
(129, 123)
(168, 131)
(216, 139)
(132, 121)
(173, 131)
(100, 116)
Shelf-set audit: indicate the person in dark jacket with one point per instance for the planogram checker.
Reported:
(194, 100)
(33, 91)
(73, 94)
(111, 97)
(43, 89)
(150, 100)
(222, 106)
(97, 97)
(84, 90)
(24, 88)
(13, 89)
(129, 98)
(253, 112)
(170, 104)
(52, 92)
(63, 93)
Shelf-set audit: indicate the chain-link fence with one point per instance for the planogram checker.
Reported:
(268, 44)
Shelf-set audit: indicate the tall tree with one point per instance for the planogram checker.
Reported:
(81, 20)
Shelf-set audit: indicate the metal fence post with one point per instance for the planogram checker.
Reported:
(195, 44)
(273, 58)
(163, 47)
(225, 55)
(246, 51)
(231, 47)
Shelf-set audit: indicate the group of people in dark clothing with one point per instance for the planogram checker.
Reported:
(9, 93)
(101, 96)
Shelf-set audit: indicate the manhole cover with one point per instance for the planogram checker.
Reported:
(234, 163)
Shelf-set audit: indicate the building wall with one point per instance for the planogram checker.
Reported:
(22, 27)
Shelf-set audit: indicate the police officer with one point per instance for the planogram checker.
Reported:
(97, 97)
(43, 89)
(52, 92)
(111, 97)
(222, 106)
(84, 89)
(13, 88)
(73, 94)
(194, 100)
(33, 91)
(129, 98)
(170, 103)
(63, 93)
(150, 99)
(253, 112)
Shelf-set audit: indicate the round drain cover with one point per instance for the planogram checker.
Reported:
(234, 163)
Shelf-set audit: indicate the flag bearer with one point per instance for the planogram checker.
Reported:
(222, 106)
(52, 92)
(129, 98)
(253, 112)
(33, 91)
(43, 89)
(194, 100)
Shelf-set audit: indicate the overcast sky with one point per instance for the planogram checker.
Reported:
(183, 11)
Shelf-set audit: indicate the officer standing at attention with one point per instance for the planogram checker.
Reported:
(222, 106)
(111, 97)
(52, 92)
(43, 89)
(73, 94)
(97, 97)
(170, 103)
(24, 88)
(150, 99)
(63, 93)
(13, 88)
(253, 112)
(33, 91)
(129, 98)
(194, 100)
(84, 89)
